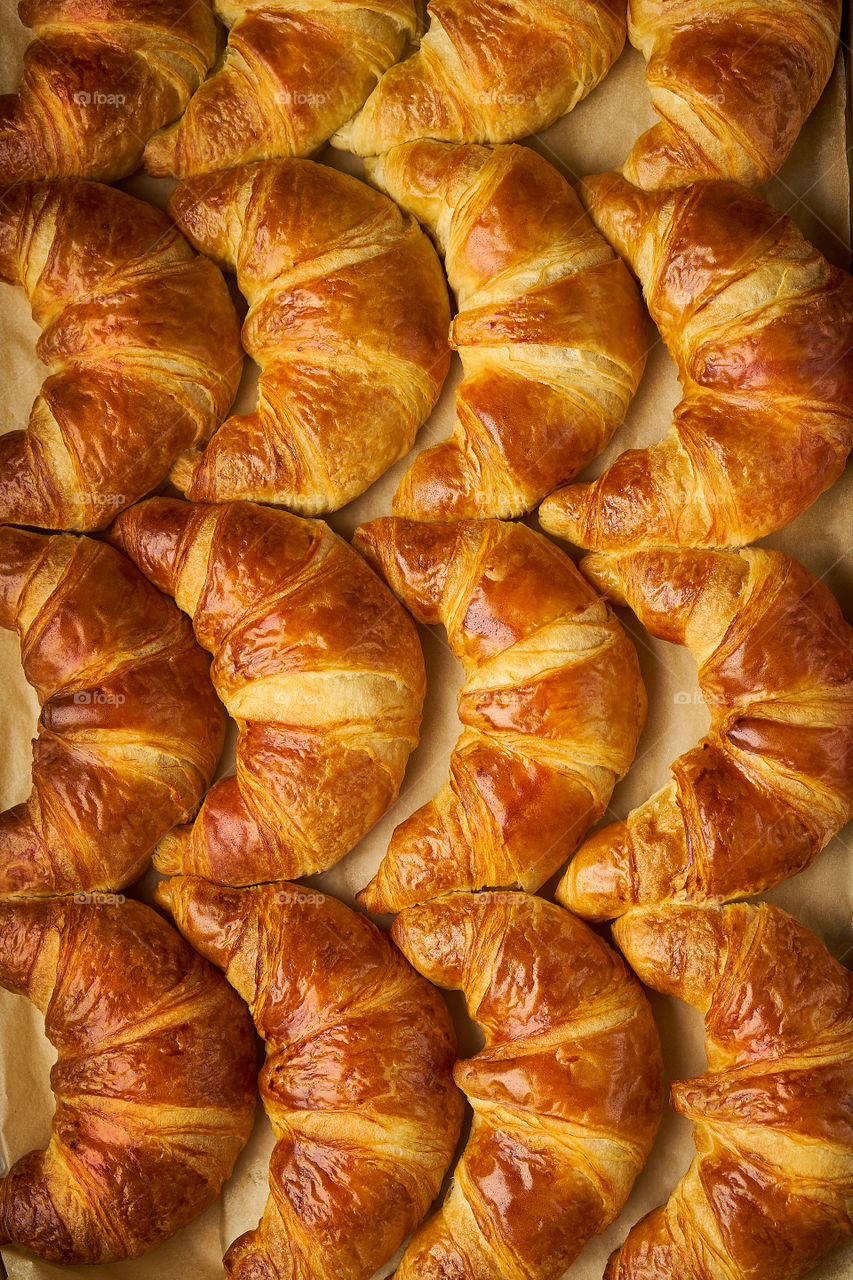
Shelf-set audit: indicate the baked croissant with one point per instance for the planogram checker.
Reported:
(566, 1094)
(154, 1079)
(772, 780)
(290, 76)
(130, 728)
(348, 317)
(761, 329)
(732, 81)
(141, 339)
(97, 82)
(770, 1190)
(357, 1081)
(314, 659)
(551, 328)
(551, 709)
(490, 71)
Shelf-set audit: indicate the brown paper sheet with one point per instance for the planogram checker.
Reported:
(814, 186)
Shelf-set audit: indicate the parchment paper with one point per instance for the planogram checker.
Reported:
(814, 187)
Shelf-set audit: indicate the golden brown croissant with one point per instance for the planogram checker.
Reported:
(291, 75)
(98, 81)
(760, 326)
(490, 71)
(772, 781)
(348, 317)
(314, 659)
(567, 1093)
(142, 342)
(130, 728)
(770, 1190)
(550, 328)
(551, 709)
(732, 81)
(154, 1079)
(357, 1081)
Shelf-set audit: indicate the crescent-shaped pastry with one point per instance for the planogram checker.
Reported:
(760, 326)
(770, 1189)
(348, 318)
(490, 71)
(290, 76)
(315, 660)
(154, 1079)
(357, 1080)
(566, 1093)
(98, 81)
(130, 728)
(141, 339)
(550, 328)
(732, 81)
(551, 708)
(772, 781)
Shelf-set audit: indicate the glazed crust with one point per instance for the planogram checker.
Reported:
(98, 81)
(357, 1081)
(772, 781)
(141, 339)
(130, 728)
(732, 82)
(314, 659)
(550, 328)
(551, 709)
(760, 326)
(348, 318)
(490, 71)
(291, 75)
(567, 1092)
(154, 1080)
(770, 1190)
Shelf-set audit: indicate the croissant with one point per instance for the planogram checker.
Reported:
(290, 76)
(348, 318)
(732, 81)
(551, 328)
(566, 1094)
(761, 329)
(551, 709)
(490, 71)
(314, 659)
(772, 781)
(130, 728)
(141, 339)
(97, 82)
(769, 1192)
(357, 1081)
(154, 1079)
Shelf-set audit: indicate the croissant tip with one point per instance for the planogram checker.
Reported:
(163, 894)
(370, 898)
(558, 515)
(365, 539)
(596, 185)
(184, 469)
(158, 158)
(169, 855)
